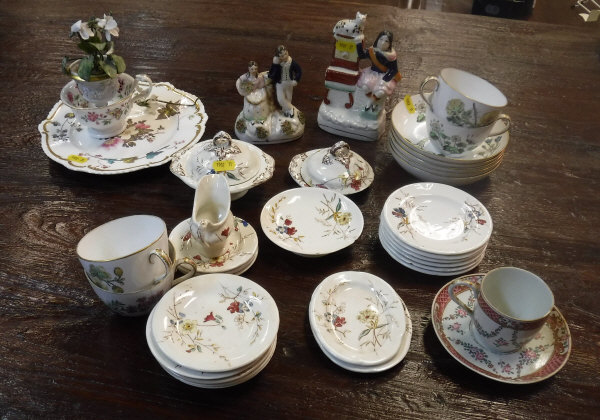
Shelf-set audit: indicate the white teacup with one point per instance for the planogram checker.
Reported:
(463, 99)
(453, 140)
(111, 119)
(126, 255)
(511, 307)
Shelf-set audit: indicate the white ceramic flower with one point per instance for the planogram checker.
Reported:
(109, 25)
(83, 29)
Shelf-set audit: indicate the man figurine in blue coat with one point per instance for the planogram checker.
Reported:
(286, 74)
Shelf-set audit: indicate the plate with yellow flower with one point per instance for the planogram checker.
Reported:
(359, 319)
(311, 221)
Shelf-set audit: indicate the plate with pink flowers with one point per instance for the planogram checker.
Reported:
(168, 121)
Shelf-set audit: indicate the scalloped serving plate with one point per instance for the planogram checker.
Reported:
(155, 132)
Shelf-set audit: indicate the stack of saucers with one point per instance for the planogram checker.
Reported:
(360, 322)
(410, 146)
(435, 229)
(214, 331)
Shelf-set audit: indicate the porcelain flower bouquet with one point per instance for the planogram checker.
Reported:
(96, 40)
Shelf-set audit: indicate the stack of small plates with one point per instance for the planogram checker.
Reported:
(214, 331)
(410, 146)
(435, 229)
(360, 322)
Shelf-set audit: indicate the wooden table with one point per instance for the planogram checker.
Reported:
(63, 354)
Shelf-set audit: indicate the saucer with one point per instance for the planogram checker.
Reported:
(540, 359)
(412, 127)
(358, 317)
(238, 257)
(437, 218)
(155, 131)
(311, 221)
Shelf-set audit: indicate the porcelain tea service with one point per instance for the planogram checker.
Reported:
(126, 262)
(110, 119)
(511, 307)
(462, 111)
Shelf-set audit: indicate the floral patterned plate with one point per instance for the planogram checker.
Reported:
(358, 318)
(311, 221)
(215, 323)
(208, 378)
(356, 178)
(168, 121)
(397, 358)
(437, 218)
(239, 254)
(540, 359)
(252, 166)
(412, 128)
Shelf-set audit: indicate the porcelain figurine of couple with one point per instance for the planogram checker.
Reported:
(268, 115)
(355, 100)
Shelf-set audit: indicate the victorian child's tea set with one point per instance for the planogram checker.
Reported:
(210, 327)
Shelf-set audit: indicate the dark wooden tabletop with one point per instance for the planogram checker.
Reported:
(64, 354)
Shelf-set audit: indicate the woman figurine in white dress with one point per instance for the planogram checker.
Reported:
(257, 100)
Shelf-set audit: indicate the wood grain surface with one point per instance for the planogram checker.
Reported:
(63, 354)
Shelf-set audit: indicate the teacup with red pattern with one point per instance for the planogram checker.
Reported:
(511, 307)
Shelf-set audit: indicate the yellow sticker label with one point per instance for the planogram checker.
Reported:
(409, 104)
(223, 165)
(77, 158)
(345, 46)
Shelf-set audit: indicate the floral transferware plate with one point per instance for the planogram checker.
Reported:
(240, 252)
(358, 318)
(437, 218)
(540, 359)
(215, 322)
(412, 128)
(319, 168)
(397, 358)
(397, 248)
(165, 123)
(208, 378)
(251, 166)
(311, 221)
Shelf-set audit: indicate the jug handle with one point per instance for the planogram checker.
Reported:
(142, 93)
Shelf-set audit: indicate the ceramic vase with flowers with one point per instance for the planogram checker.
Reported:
(96, 73)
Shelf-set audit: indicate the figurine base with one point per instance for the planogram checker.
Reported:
(277, 128)
(352, 123)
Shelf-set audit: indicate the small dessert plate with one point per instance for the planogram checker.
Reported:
(168, 121)
(215, 323)
(239, 255)
(336, 168)
(311, 221)
(412, 127)
(358, 318)
(244, 165)
(397, 358)
(540, 359)
(437, 218)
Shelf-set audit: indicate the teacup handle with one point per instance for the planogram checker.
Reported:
(474, 288)
(143, 93)
(193, 269)
(422, 88)
(507, 125)
(165, 259)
